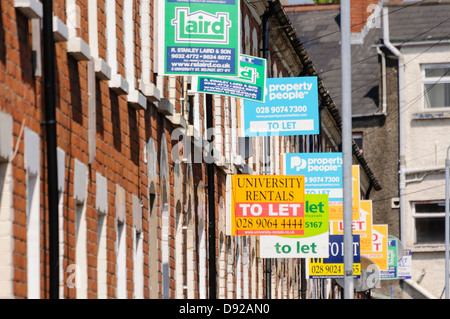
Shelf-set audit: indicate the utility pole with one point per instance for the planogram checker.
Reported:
(266, 154)
(347, 146)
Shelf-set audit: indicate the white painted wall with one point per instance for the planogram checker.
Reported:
(426, 145)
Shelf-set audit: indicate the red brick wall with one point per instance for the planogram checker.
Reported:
(21, 98)
(360, 11)
(121, 134)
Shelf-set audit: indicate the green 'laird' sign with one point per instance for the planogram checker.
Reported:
(250, 84)
(199, 37)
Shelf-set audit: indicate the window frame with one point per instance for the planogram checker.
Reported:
(359, 136)
(433, 80)
(416, 216)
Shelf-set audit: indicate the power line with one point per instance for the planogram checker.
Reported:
(411, 103)
(410, 193)
(393, 71)
(364, 22)
(402, 43)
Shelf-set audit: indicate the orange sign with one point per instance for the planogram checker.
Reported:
(337, 211)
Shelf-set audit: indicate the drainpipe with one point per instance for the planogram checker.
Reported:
(52, 162)
(401, 128)
(211, 204)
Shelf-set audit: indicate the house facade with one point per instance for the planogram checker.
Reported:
(400, 56)
(422, 53)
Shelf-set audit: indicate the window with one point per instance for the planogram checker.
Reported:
(32, 165)
(180, 252)
(436, 86)
(121, 256)
(429, 222)
(6, 226)
(153, 247)
(165, 253)
(138, 255)
(6, 207)
(358, 138)
(81, 250)
(138, 264)
(81, 236)
(33, 237)
(120, 245)
(101, 204)
(102, 261)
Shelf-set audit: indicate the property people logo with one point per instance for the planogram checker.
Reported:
(201, 26)
(316, 164)
(298, 163)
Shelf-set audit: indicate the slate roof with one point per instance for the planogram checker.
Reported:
(320, 34)
(419, 21)
(309, 67)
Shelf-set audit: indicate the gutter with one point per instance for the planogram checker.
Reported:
(368, 115)
(419, 43)
(401, 128)
(417, 288)
(424, 169)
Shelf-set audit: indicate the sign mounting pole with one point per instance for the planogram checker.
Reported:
(266, 141)
(347, 146)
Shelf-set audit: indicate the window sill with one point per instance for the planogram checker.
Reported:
(430, 115)
(30, 8)
(79, 49)
(425, 248)
(102, 69)
(150, 91)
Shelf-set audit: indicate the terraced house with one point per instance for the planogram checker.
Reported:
(140, 211)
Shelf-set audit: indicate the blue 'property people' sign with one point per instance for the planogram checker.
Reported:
(291, 107)
(322, 171)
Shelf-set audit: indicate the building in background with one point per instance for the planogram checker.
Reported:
(417, 46)
(399, 88)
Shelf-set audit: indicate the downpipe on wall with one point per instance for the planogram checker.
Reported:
(401, 128)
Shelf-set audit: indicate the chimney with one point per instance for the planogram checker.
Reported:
(360, 12)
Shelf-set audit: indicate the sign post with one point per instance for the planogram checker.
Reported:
(346, 78)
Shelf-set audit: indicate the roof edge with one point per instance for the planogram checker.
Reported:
(416, 3)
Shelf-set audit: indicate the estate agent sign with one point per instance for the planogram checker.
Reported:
(267, 205)
(291, 107)
(199, 37)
